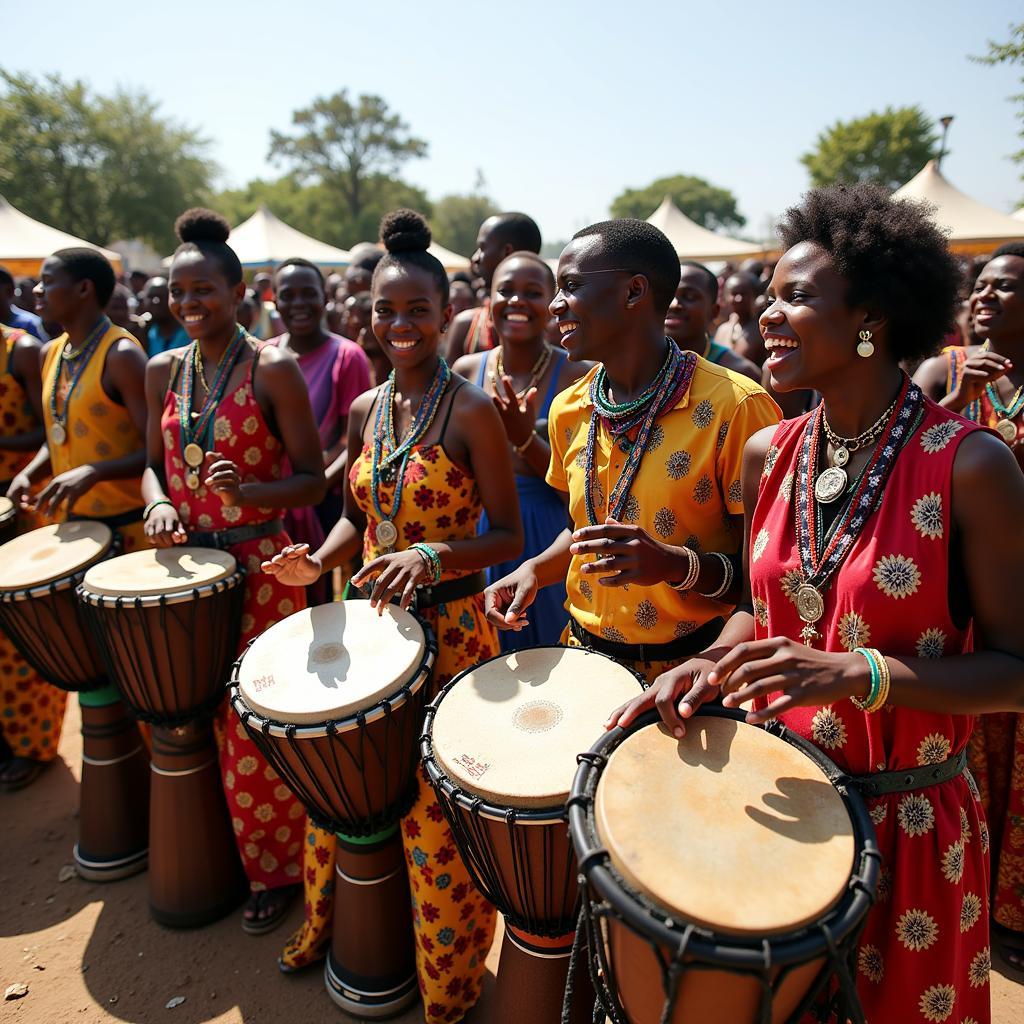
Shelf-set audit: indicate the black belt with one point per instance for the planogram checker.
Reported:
(224, 539)
(114, 522)
(884, 783)
(436, 593)
(683, 647)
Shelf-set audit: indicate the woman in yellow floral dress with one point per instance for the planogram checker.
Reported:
(455, 464)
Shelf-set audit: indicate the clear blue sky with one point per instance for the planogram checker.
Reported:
(559, 104)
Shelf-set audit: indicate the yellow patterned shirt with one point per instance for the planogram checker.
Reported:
(686, 490)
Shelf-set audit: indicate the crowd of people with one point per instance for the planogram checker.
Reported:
(791, 486)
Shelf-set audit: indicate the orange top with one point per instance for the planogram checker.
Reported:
(97, 428)
(16, 415)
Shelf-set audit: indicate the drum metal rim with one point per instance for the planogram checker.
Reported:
(647, 920)
(466, 798)
(160, 600)
(285, 730)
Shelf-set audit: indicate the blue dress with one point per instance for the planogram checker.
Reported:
(544, 518)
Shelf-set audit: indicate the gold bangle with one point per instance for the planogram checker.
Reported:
(886, 681)
(520, 448)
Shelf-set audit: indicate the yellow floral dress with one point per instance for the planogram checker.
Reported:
(454, 924)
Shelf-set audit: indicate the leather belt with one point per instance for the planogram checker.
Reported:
(683, 647)
(437, 593)
(883, 783)
(224, 539)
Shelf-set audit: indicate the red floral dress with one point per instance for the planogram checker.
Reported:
(267, 819)
(924, 953)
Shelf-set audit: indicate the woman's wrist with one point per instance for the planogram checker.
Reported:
(857, 676)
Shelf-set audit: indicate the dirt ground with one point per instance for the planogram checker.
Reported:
(90, 954)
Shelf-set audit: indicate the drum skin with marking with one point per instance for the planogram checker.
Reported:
(167, 622)
(499, 748)
(39, 571)
(334, 698)
(728, 874)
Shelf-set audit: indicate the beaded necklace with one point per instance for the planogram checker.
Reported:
(197, 427)
(391, 466)
(671, 383)
(538, 370)
(818, 567)
(77, 361)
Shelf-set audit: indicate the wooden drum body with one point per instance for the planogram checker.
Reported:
(334, 698)
(500, 748)
(727, 875)
(167, 622)
(39, 571)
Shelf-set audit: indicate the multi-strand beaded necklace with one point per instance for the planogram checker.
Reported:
(391, 464)
(630, 423)
(77, 361)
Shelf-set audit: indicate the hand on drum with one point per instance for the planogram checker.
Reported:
(676, 694)
(399, 572)
(19, 490)
(506, 601)
(628, 553)
(65, 489)
(163, 527)
(294, 566)
(798, 675)
(224, 478)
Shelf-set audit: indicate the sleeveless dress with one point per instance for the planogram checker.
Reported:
(481, 336)
(266, 817)
(544, 518)
(31, 710)
(924, 953)
(997, 744)
(454, 925)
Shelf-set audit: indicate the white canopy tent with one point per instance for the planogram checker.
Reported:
(692, 242)
(973, 227)
(1019, 215)
(25, 243)
(451, 261)
(265, 241)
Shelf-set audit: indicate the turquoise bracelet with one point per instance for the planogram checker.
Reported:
(876, 681)
(432, 558)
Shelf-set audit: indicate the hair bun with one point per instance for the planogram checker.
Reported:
(201, 225)
(405, 231)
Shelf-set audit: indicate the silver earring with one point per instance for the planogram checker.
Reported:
(865, 349)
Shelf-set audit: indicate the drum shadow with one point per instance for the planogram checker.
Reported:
(699, 748)
(327, 658)
(798, 808)
(170, 560)
(535, 672)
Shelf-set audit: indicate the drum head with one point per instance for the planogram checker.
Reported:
(330, 662)
(52, 553)
(159, 571)
(6, 509)
(731, 827)
(509, 730)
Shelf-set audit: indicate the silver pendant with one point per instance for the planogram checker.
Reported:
(841, 456)
(58, 435)
(830, 485)
(1007, 430)
(387, 533)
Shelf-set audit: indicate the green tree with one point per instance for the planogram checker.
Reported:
(101, 167)
(888, 148)
(457, 219)
(349, 147)
(1010, 52)
(710, 206)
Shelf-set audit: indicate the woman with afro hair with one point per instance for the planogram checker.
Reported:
(882, 656)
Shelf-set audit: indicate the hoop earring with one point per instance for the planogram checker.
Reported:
(865, 349)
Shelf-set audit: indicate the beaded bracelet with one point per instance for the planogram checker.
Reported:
(153, 504)
(728, 574)
(880, 681)
(688, 581)
(432, 558)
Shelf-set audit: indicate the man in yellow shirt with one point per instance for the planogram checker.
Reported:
(647, 448)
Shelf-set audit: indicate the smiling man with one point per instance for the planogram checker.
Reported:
(647, 448)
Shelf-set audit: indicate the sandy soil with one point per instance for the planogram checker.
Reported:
(90, 954)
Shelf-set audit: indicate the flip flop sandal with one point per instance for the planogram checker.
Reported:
(262, 925)
(29, 773)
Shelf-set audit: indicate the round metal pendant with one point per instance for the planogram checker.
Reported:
(387, 533)
(58, 435)
(192, 479)
(841, 456)
(1007, 430)
(810, 605)
(193, 455)
(830, 485)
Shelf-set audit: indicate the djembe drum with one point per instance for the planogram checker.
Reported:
(499, 748)
(334, 696)
(727, 874)
(39, 571)
(8, 520)
(167, 622)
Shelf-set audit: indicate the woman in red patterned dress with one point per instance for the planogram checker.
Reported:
(882, 569)
(248, 409)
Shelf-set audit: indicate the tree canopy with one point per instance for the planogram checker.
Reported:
(888, 148)
(456, 220)
(1011, 52)
(710, 206)
(100, 167)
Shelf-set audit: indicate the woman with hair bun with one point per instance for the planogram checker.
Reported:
(224, 414)
(416, 526)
